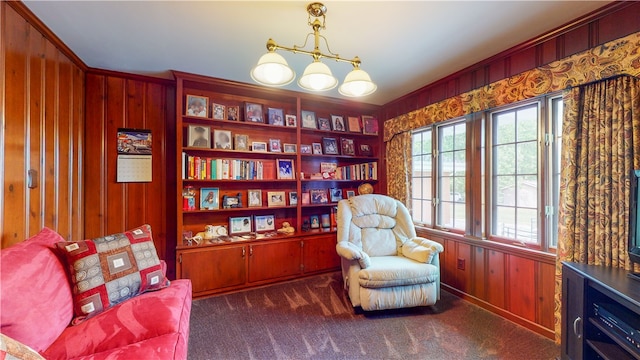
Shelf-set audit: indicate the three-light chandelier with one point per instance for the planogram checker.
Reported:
(273, 70)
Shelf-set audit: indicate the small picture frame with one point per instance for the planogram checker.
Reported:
(254, 198)
(274, 145)
(233, 113)
(290, 120)
(369, 125)
(351, 193)
(365, 150)
(337, 123)
(318, 196)
(259, 146)
(197, 106)
(325, 221)
(209, 199)
(289, 148)
(336, 194)
(306, 198)
(241, 142)
(354, 124)
(199, 136)
(276, 116)
(330, 146)
(305, 149)
(293, 198)
(317, 148)
(275, 198)
(264, 223)
(239, 225)
(315, 221)
(324, 124)
(232, 202)
(218, 111)
(253, 113)
(222, 139)
(348, 146)
(308, 119)
(286, 169)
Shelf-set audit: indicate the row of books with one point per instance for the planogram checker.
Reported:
(364, 171)
(205, 168)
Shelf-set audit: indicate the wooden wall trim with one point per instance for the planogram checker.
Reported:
(129, 76)
(30, 17)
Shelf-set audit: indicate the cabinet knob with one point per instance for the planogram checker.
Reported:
(250, 250)
(244, 251)
(577, 327)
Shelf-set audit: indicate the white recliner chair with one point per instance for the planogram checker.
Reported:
(384, 264)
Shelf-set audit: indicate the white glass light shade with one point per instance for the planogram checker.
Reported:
(272, 70)
(357, 83)
(317, 77)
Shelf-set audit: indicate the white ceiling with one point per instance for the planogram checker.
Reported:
(403, 45)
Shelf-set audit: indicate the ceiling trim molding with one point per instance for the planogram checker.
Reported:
(131, 76)
(38, 25)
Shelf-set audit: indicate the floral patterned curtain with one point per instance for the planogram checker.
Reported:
(600, 135)
(399, 167)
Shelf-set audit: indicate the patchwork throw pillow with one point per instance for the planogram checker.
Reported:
(109, 270)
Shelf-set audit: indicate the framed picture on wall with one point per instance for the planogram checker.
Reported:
(197, 106)
(369, 125)
(309, 119)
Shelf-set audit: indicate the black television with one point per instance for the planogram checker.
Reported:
(634, 223)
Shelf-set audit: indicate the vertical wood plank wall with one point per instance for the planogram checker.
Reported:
(41, 110)
(118, 101)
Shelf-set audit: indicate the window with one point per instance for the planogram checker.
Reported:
(517, 201)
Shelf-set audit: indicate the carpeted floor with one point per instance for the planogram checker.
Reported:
(311, 318)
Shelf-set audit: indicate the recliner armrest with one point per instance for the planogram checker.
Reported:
(421, 249)
(349, 251)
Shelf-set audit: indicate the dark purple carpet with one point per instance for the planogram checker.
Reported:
(311, 318)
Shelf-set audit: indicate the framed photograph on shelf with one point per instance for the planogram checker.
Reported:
(315, 221)
(336, 194)
(254, 198)
(293, 198)
(253, 112)
(232, 201)
(325, 221)
(365, 150)
(324, 124)
(217, 111)
(337, 123)
(276, 116)
(369, 125)
(209, 199)
(241, 142)
(348, 147)
(319, 196)
(306, 199)
(274, 145)
(317, 148)
(275, 198)
(197, 106)
(330, 146)
(305, 149)
(308, 119)
(199, 136)
(290, 120)
(239, 225)
(222, 139)
(260, 146)
(351, 193)
(233, 113)
(354, 124)
(264, 223)
(289, 148)
(285, 169)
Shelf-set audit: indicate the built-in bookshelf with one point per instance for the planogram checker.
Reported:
(263, 168)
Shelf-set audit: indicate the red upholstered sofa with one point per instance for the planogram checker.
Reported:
(36, 309)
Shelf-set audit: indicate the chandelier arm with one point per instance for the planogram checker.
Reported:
(272, 46)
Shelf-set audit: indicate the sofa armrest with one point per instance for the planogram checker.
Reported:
(349, 251)
(422, 250)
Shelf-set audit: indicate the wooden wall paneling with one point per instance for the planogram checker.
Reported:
(614, 27)
(548, 51)
(35, 124)
(522, 61)
(77, 158)
(497, 70)
(115, 118)
(135, 198)
(463, 267)
(448, 263)
(545, 286)
(64, 145)
(479, 273)
(94, 157)
(15, 38)
(50, 127)
(521, 289)
(496, 278)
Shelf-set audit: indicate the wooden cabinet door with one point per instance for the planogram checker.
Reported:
(573, 314)
(213, 268)
(275, 259)
(319, 253)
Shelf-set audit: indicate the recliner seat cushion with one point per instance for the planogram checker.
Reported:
(388, 271)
